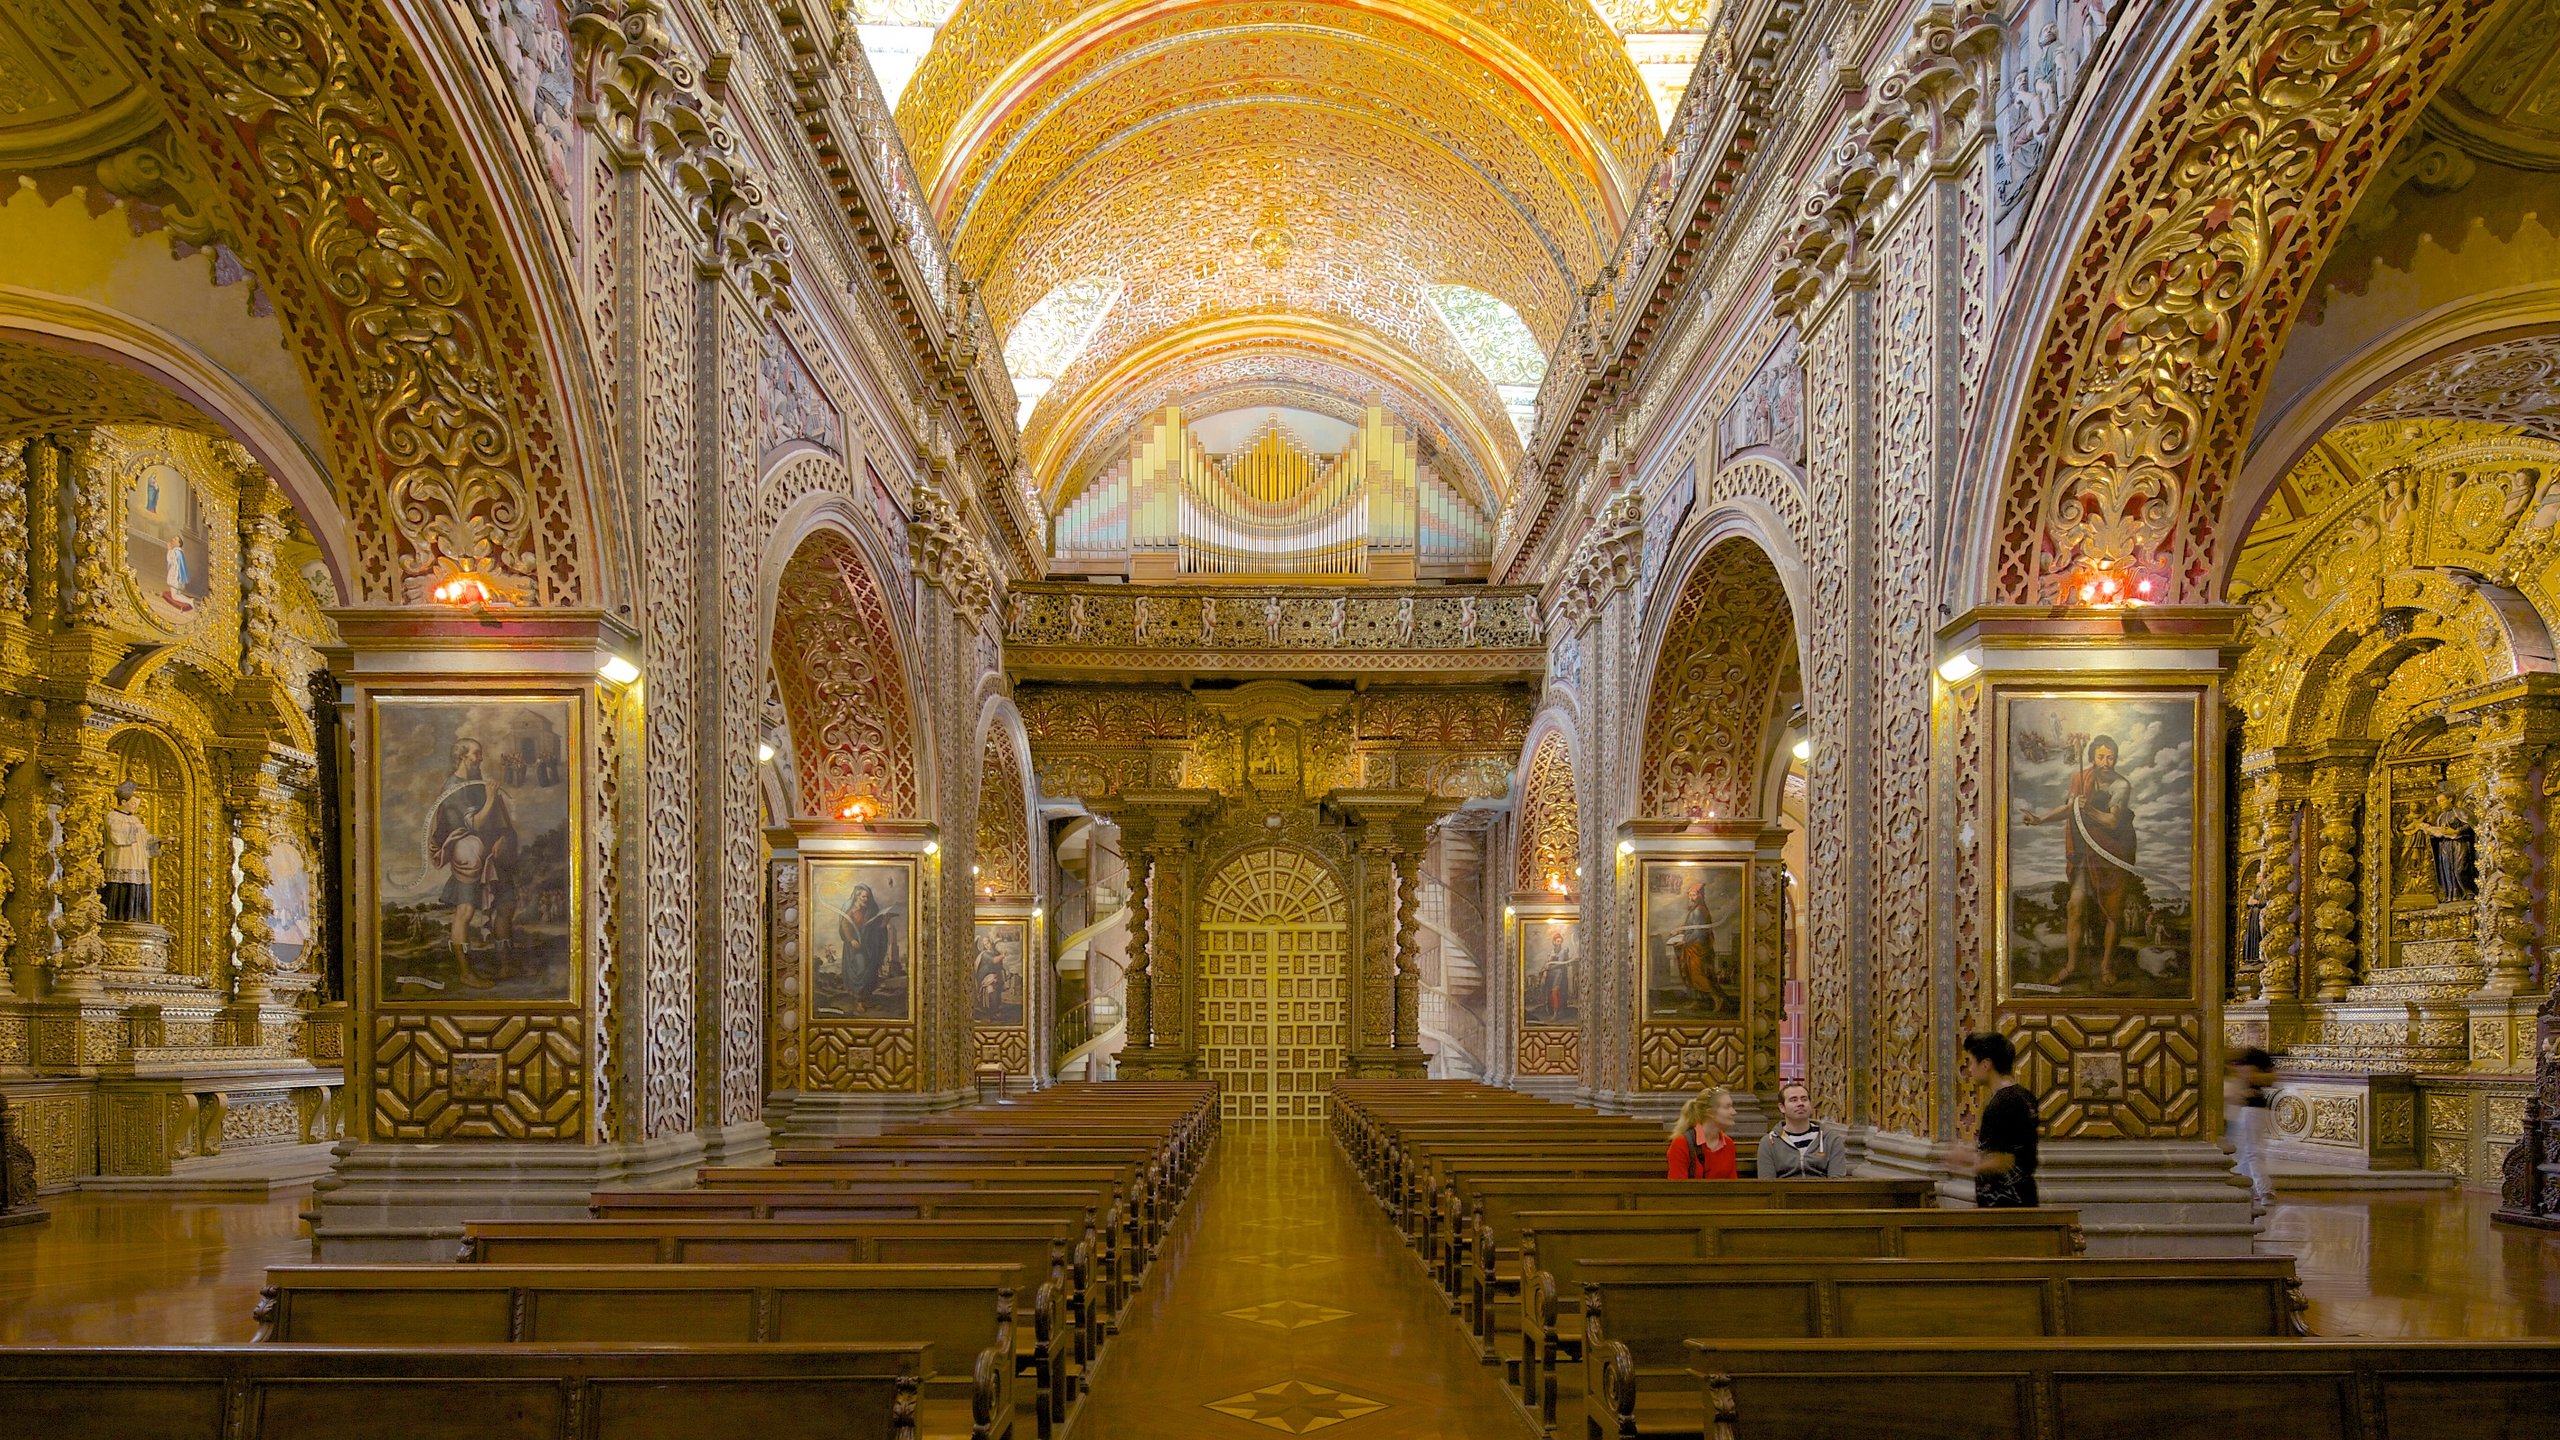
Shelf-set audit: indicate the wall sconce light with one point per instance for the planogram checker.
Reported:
(462, 588)
(618, 670)
(933, 847)
(2103, 587)
(973, 867)
(1804, 749)
(1035, 912)
(1960, 667)
(1626, 848)
(857, 810)
(764, 753)
(1508, 912)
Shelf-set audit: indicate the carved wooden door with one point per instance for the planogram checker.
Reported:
(1275, 990)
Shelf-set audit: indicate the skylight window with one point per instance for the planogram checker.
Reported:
(1498, 341)
(1050, 335)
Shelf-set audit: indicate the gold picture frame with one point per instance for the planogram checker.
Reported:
(1693, 932)
(2084, 838)
(1551, 974)
(482, 904)
(858, 951)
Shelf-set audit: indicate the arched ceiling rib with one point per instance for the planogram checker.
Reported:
(1277, 186)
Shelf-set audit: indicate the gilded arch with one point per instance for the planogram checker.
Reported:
(1548, 835)
(844, 684)
(2192, 261)
(1727, 653)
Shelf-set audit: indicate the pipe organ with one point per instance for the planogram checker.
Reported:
(1273, 507)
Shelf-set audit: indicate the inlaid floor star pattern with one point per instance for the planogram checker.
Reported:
(1287, 1314)
(1295, 1406)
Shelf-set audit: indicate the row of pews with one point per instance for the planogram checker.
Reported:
(959, 1276)
(1773, 1310)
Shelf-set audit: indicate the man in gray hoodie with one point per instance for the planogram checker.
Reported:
(1799, 1148)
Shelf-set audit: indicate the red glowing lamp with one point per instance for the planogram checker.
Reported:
(857, 810)
(2104, 587)
(462, 588)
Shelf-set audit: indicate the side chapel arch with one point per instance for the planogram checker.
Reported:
(844, 684)
(1727, 654)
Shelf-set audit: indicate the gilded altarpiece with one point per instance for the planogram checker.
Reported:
(161, 609)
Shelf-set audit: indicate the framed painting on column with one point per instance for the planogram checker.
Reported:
(861, 939)
(477, 850)
(2098, 845)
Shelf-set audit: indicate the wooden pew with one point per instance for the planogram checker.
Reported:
(1059, 1250)
(964, 1312)
(461, 1392)
(2083, 1389)
(1128, 1193)
(1554, 1245)
(1481, 1258)
(1638, 1316)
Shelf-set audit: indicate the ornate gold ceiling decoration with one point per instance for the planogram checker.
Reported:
(1281, 176)
(67, 94)
(2512, 382)
(42, 390)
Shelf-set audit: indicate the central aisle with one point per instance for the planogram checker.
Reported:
(1284, 1301)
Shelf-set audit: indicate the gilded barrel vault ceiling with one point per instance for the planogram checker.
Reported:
(1269, 193)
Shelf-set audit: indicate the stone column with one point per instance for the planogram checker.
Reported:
(1390, 830)
(1157, 831)
(496, 1082)
(2128, 1075)
(2332, 836)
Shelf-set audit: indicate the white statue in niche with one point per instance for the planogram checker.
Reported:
(130, 849)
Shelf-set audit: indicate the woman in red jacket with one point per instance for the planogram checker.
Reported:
(1703, 1149)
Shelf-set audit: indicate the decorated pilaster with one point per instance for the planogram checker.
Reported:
(1598, 609)
(2268, 1009)
(2105, 896)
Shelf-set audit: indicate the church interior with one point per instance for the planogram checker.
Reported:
(1086, 720)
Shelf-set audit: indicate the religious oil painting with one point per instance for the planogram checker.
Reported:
(2098, 845)
(289, 900)
(1550, 972)
(861, 934)
(475, 861)
(996, 975)
(1693, 923)
(166, 543)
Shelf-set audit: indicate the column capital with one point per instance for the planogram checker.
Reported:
(1397, 821)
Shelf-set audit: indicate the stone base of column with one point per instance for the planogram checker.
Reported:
(2135, 1197)
(749, 1142)
(2269, 1024)
(1378, 1062)
(74, 1031)
(817, 1116)
(393, 1204)
(1154, 1062)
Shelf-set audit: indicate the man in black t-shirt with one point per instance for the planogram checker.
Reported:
(2002, 1159)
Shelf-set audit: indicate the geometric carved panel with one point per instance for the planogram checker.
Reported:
(1545, 1051)
(1689, 1057)
(2104, 1077)
(1006, 1046)
(862, 1056)
(478, 1077)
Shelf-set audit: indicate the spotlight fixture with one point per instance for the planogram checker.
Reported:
(764, 753)
(618, 670)
(1960, 667)
(1804, 749)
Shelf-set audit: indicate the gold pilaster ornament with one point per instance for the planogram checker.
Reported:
(261, 600)
(947, 554)
(1139, 995)
(82, 769)
(2505, 865)
(93, 535)
(2333, 916)
(15, 480)
(2279, 971)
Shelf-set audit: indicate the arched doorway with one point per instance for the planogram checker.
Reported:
(1275, 986)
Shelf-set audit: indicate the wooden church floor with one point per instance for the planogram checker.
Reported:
(1283, 1300)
